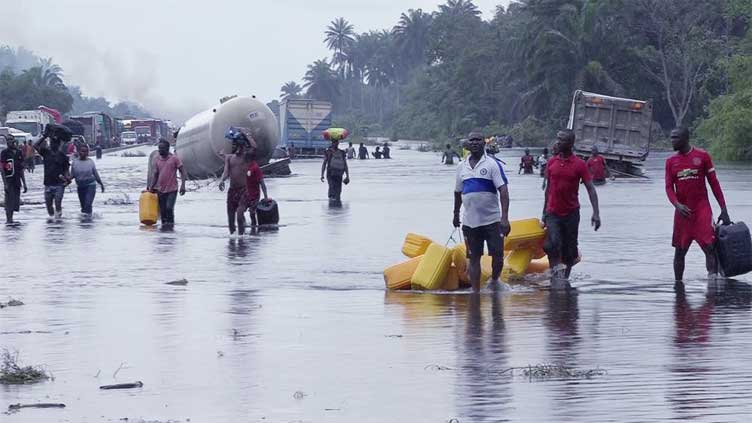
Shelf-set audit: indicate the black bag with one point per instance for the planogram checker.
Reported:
(734, 249)
(267, 212)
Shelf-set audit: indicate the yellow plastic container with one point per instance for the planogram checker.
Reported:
(459, 260)
(526, 233)
(415, 245)
(452, 281)
(148, 208)
(516, 264)
(538, 266)
(399, 275)
(433, 268)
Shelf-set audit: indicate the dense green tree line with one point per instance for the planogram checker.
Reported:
(438, 75)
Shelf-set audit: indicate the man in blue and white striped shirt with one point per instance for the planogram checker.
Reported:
(482, 188)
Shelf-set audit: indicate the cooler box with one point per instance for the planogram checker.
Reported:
(415, 245)
(148, 208)
(399, 275)
(734, 248)
(433, 269)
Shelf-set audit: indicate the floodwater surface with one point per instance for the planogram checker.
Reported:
(295, 324)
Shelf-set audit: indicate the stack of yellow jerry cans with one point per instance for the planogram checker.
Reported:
(432, 266)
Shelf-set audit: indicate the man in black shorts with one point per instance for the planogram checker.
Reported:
(481, 186)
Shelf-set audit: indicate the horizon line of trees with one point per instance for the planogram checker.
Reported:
(438, 75)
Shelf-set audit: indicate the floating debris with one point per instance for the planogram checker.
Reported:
(12, 303)
(137, 153)
(15, 407)
(554, 371)
(13, 373)
(298, 395)
(392, 336)
(123, 200)
(437, 368)
(137, 384)
(180, 282)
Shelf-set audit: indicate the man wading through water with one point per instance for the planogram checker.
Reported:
(236, 165)
(335, 166)
(686, 172)
(56, 167)
(561, 208)
(166, 182)
(481, 187)
(11, 166)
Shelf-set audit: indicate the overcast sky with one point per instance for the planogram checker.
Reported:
(178, 57)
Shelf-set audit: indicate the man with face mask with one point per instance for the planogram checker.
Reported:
(561, 208)
(481, 187)
(686, 173)
(12, 170)
(165, 182)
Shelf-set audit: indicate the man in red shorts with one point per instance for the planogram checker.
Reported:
(686, 172)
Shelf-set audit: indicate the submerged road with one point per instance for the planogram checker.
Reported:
(295, 325)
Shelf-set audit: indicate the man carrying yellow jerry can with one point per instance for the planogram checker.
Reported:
(481, 186)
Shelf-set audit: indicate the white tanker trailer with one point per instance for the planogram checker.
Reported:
(201, 144)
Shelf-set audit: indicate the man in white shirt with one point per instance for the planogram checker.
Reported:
(481, 186)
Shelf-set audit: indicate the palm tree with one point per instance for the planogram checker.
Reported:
(458, 8)
(340, 36)
(411, 36)
(290, 90)
(321, 81)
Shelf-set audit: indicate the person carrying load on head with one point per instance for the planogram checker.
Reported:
(686, 173)
(56, 166)
(481, 187)
(12, 172)
(335, 163)
(236, 165)
(561, 208)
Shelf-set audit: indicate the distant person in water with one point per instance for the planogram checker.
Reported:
(165, 184)
(686, 173)
(236, 166)
(28, 152)
(350, 151)
(527, 162)
(449, 155)
(84, 171)
(386, 151)
(542, 161)
(362, 152)
(554, 153)
(12, 171)
(377, 154)
(561, 208)
(481, 190)
(597, 167)
(98, 150)
(335, 167)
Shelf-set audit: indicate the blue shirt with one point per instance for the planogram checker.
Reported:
(480, 191)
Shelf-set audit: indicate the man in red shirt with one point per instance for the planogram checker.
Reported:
(686, 172)
(597, 167)
(526, 163)
(561, 208)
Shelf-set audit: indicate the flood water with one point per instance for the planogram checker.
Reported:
(295, 324)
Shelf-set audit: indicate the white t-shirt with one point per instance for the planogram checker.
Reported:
(480, 191)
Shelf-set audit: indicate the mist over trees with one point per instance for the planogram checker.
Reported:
(437, 75)
(28, 81)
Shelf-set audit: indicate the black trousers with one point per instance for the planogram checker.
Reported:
(167, 206)
(561, 237)
(335, 185)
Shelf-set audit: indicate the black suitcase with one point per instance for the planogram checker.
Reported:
(267, 212)
(734, 247)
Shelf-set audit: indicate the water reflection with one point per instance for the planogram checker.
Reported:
(561, 320)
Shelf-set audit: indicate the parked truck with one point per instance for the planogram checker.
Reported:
(150, 130)
(98, 127)
(621, 128)
(30, 121)
(302, 123)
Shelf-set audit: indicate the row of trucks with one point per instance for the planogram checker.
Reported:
(89, 127)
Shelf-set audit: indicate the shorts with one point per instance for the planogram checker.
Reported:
(698, 228)
(54, 192)
(488, 234)
(12, 196)
(235, 198)
(561, 237)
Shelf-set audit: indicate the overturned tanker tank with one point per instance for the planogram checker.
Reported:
(201, 144)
